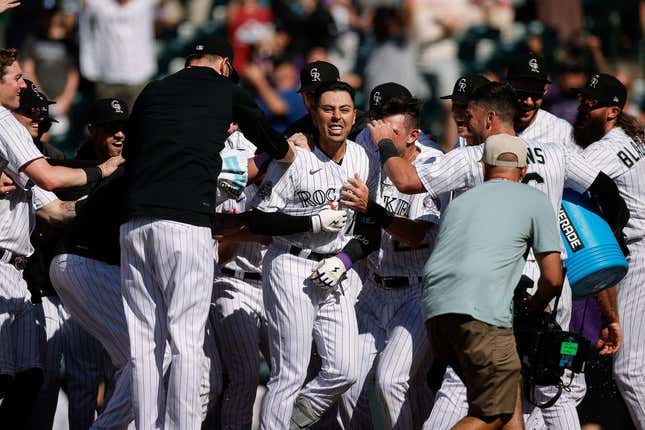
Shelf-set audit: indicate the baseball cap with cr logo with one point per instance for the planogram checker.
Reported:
(314, 74)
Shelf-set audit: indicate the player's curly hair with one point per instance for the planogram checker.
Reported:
(631, 127)
(7, 58)
(498, 97)
(408, 106)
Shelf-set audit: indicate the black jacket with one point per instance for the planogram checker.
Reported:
(176, 131)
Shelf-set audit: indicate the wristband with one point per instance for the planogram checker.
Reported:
(379, 214)
(93, 174)
(387, 150)
(347, 262)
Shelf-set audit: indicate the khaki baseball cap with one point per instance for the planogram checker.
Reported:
(500, 144)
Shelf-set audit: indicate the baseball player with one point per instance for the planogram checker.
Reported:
(528, 77)
(392, 340)
(613, 140)
(239, 319)
(551, 166)
(461, 92)
(178, 127)
(21, 160)
(296, 309)
(312, 75)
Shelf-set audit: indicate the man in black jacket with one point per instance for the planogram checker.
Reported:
(177, 129)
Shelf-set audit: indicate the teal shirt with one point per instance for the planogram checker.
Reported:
(481, 249)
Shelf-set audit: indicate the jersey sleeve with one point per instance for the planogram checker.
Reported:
(278, 185)
(18, 149)
(424, 207)
(579, 173)
(545, 235)
(453, 171)
(373, 175)
(41, 198)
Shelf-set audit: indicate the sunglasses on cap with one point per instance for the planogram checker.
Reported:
(113, 127)
(588, 102)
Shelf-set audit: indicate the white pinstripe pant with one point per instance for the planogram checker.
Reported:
(296, 310)
(54, 317)
(21, 334)
(241, 330)
(392, 343)
(167, 280)
(629, 363)
(91, 292)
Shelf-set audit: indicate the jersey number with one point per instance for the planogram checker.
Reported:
(533, 177)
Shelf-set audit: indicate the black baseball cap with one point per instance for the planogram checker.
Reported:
(107, 111)
(606, 90)
(214, 45)
(34, 103)
(465, 86)
(313, 74)
(382, 93)
(528, 66)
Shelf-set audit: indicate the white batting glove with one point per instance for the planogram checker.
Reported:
(329, 220)
(328, 272)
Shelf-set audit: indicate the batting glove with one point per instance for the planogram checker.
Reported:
(328, 273)
(329, 220)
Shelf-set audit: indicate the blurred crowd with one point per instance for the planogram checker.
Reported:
(80, 50)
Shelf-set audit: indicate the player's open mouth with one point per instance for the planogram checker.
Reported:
(335, 129)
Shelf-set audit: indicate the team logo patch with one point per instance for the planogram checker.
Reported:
(315, 75)
(116, 106)
(615, 99)
(533, 64)
(430, 202)
(376, 98)
(594, 81)
(461, 85)
(199, 48)
(264, 191)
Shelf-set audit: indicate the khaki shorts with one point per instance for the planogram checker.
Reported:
(484, 357)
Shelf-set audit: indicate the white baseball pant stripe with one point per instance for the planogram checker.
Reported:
(629, 363)
(241, 331)
(296, 311)
(91, 291)
(21, 334)
(167, 280)
(392, 343)
(54, 316)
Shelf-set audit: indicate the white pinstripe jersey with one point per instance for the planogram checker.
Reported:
(551, 168)
(249, 255)
(393, 258)
(41, 198)
(16, 210)
(547, 127)
(308, 185)
(621, 158)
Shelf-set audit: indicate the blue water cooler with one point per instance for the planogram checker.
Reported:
(595, 260)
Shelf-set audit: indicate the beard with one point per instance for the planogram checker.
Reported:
(587, 129)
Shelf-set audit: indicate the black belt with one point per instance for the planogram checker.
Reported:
(294, 250)
(394, 282)
(246, 276)
(17, 261)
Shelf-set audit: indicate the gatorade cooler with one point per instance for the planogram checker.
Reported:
(595, 260)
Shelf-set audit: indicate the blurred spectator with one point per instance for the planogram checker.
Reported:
(248, 23)
(117, 49)
(49, 59)
(309, 22)
(319, 53)
(393, 59)
(279, 97)
(564, 16)
(561, 98)
(343, 51)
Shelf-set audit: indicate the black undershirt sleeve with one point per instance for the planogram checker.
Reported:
(255, 126)
(264, 223)
(612, 208)
(367, 238)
